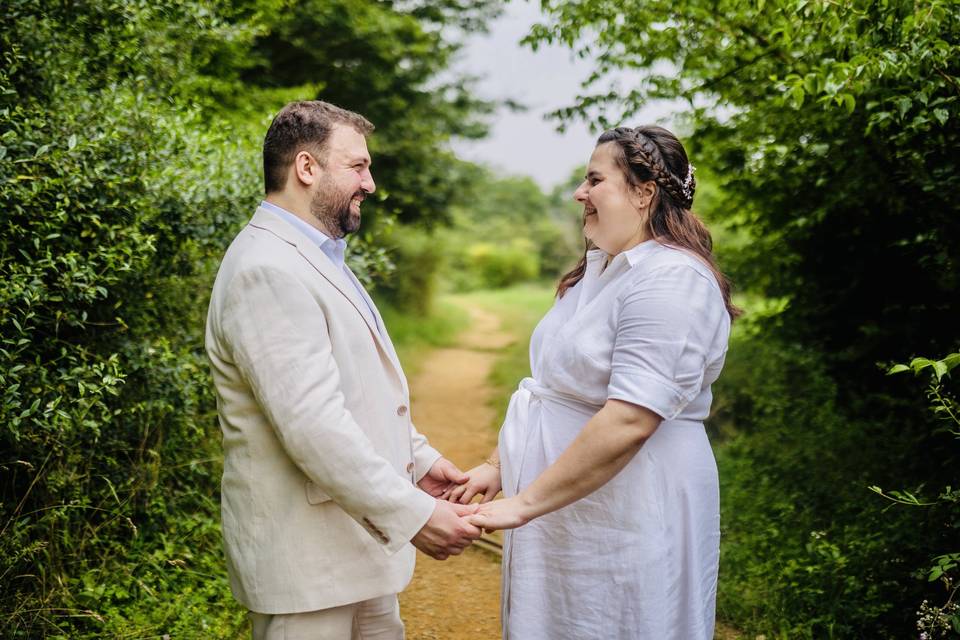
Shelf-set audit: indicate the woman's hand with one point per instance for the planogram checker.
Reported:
(484, 480)
(442, 477)
(509, 513)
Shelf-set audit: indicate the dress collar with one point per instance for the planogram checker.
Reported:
(641, 251)
(633, 255)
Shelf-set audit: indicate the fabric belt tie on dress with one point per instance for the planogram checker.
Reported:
(515, 436)
(516, 432)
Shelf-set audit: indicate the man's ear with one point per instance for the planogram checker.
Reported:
(306, 169)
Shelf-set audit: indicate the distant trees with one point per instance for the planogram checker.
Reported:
(502, 231)
(832, 130)
(511, 231)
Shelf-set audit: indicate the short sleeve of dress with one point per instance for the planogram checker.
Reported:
(668, 320)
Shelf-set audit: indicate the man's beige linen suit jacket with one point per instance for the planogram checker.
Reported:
(319, 499)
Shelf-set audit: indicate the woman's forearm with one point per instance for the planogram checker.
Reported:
(601, 450)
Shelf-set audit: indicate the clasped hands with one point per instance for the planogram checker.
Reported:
(455, 522)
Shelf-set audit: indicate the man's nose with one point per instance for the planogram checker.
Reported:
(367, 183)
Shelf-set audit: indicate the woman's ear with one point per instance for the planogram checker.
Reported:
(645, 192)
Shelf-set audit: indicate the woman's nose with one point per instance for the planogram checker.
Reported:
(580, 195)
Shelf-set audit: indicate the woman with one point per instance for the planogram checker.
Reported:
(603, 457)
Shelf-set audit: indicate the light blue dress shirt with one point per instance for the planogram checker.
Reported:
(333, 249)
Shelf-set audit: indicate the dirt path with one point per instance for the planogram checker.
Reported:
(460, 597)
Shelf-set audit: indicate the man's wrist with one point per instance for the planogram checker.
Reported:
(421, 469)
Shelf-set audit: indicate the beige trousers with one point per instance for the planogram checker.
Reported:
(375, 619)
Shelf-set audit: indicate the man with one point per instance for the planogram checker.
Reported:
(322, 464)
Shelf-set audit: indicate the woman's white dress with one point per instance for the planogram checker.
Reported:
(637, 558)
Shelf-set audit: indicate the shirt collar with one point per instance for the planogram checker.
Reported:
(632, 255)
(637, 253)
(335, 249)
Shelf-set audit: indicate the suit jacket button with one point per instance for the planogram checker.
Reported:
(402, 410)
(409, 467)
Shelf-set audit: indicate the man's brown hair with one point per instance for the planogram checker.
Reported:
(304, 125)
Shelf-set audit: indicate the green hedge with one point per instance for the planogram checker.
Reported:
(115, 206)
(808, 551)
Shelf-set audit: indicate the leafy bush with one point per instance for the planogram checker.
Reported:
(114, 207)
(499, 265)
(416, 260)
(935, 620)
(105, 240)
(508, 231)
(806, 550)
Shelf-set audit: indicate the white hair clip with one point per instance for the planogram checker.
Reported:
(688, 182)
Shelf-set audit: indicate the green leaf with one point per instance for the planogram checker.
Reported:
(849, 102)
(797, 95)
(903, 104)
(940, 369)
(952, 360)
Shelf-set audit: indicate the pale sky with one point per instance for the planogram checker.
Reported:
(526, 143)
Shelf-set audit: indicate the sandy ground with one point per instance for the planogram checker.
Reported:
(460, 598)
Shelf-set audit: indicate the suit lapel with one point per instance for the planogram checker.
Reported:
(268, 221)
(387, 342)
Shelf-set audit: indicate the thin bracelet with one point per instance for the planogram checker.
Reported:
(493, 463)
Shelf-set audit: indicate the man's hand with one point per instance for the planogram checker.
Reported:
(484, 481)
(442, 477)
(446, 533)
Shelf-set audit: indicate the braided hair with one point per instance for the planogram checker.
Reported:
(640, 156)
(651, 153)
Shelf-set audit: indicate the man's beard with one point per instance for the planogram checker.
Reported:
(333, 211)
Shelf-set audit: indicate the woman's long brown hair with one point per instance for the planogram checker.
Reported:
(653, 153)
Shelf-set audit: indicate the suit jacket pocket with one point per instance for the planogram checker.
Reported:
(316, 495)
